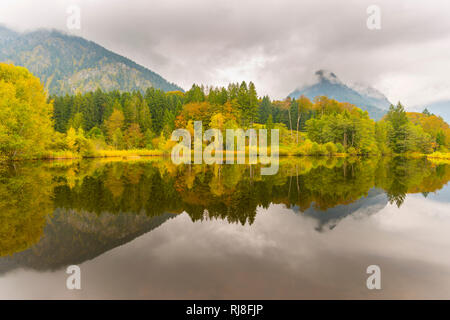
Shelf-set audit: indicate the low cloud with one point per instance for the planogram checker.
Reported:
(277, 44)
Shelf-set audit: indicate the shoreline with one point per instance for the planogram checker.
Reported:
(145, 153)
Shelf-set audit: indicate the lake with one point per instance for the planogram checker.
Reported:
(147, 229)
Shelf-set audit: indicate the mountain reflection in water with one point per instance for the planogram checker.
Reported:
(55, 214)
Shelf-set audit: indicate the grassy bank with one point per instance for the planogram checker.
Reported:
(62, 155)
(283, 152)
(439, 157)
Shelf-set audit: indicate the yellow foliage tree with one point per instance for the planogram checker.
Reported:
(115, 121)
(25, 116)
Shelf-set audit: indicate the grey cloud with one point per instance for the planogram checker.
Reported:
(276, 44)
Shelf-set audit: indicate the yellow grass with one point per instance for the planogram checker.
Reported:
(135, 153)
(439, 157)
(127, 154)
(60, 155)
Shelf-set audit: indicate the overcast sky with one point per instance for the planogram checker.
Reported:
(276, 44)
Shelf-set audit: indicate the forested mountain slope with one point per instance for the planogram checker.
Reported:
(70, 64)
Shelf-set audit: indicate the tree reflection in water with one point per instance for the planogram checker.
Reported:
(74, 210)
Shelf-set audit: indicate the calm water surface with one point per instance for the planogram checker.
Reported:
(148, 229)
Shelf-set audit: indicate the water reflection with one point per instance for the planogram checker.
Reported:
(260, 230)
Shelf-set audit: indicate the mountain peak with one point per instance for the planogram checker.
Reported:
(325, 75)
(328, 84)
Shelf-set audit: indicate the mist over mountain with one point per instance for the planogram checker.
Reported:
(364, 97)
(70, 64)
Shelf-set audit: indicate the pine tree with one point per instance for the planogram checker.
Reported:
(168, 123)
(398, 135)
(244, 104)
(265, 110)
(145, 117)
(252, 103)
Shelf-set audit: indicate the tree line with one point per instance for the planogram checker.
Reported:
(33, 124)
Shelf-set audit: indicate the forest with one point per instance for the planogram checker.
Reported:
(97, 124)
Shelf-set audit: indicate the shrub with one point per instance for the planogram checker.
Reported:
(370, 149)
(305, 147)
(340, 148)
(95, 133)
(316, 149)
(330, 148)
(352, 151)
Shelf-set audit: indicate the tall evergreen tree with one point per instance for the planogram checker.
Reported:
(398, 135)
(265, 109)
(252, 103)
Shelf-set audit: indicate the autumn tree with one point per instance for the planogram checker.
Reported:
(118, 140)
(26, 127)
(133, 136)
(303, 106)
(115, 121)
(145, 117)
